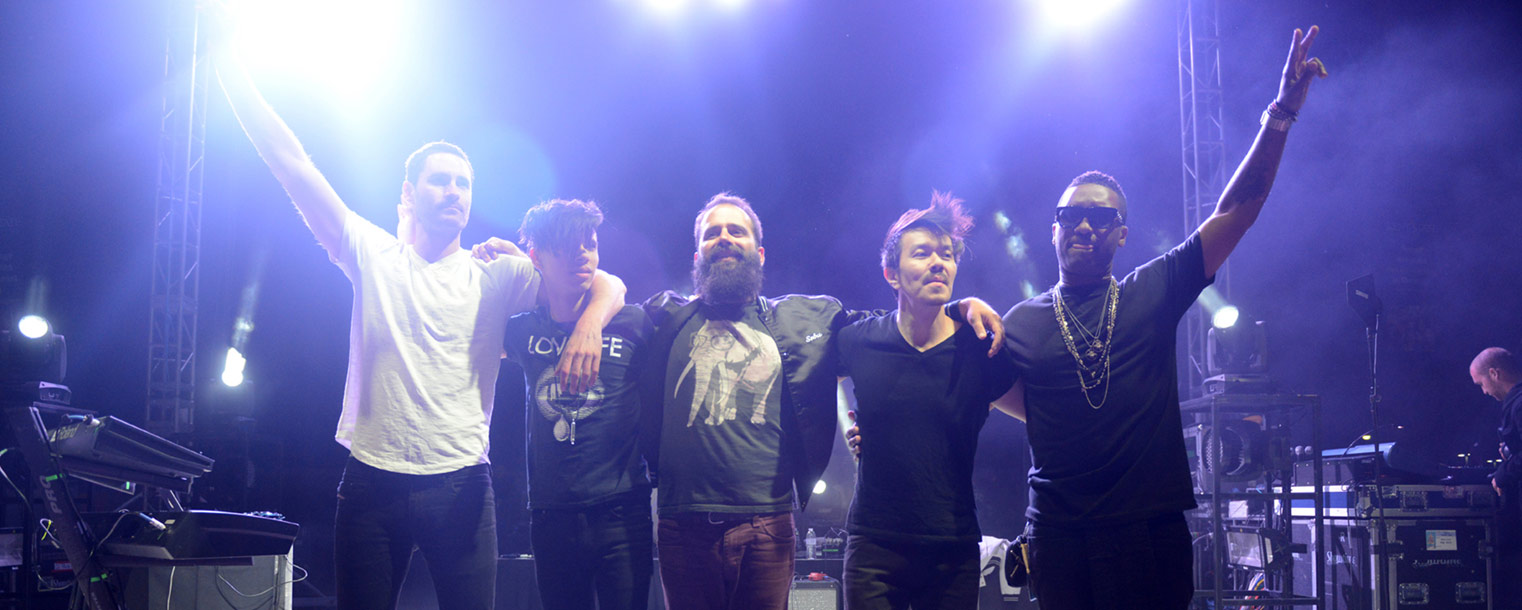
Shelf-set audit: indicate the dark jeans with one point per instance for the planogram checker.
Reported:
(383, 516)
(1146, 565)
(714, 561)
(597, 557)
(898, 575)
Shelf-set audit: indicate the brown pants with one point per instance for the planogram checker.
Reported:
(714, 561)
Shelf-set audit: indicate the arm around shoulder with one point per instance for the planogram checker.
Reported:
(582, 357)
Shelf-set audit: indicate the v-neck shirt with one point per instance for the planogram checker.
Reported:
(920, 413)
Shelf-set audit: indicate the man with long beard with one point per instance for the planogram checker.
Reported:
(739, 419)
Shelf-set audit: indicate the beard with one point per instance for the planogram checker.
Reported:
(720, 279)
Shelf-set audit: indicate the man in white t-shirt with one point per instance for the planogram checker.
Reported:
(425, 342)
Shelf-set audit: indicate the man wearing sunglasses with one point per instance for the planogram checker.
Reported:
(1109, 480)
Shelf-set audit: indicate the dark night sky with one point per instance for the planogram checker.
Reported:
(832, 118)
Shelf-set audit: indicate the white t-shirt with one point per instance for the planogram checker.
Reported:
(425, 345)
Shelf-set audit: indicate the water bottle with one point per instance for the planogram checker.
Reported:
(811, 544)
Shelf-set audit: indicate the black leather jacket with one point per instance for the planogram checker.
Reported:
(804, 328)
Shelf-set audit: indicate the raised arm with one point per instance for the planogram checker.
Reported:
(1249, 186)
(582, 357)
(319, 205)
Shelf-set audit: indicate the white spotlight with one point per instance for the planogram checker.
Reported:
(819, 487)
(344, 46)
(1225, 317)
(33, 326)
(232, 372)
(667, 7)
(1075, 13)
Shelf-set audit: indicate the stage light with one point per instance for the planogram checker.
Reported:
(1028, 289)
(232, 372)
(1240, 347)
(1014, 246)
(819, 487)
(1075, 13)
(1225, 317)
(1236, 451)
(344, 46)
(667, 7)
(24, 358)
(33, 326)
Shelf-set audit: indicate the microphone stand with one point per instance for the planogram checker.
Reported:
(1381, 569)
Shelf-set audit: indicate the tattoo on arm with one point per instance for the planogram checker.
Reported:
(1252, 184)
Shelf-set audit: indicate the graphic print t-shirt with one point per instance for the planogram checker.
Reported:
(721, 432)
(582, 449)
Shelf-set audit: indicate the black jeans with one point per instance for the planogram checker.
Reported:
(883, 575)
(597, 557)
(1146, 565)
(383, 516)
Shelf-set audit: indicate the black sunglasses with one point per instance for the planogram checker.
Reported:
(1099, 218)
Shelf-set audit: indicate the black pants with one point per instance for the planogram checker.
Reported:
(383, 516)
(1506, 587)
(883, 575)
(597, 557)
(1145, 565)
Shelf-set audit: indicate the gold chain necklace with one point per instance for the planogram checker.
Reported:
(1094, 362)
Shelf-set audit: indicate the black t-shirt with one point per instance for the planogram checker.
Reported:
(582, 449)
(922, 411)
(1124, 460)
(721, 429)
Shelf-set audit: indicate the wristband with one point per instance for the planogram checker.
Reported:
(1275, 117)
(954, 311)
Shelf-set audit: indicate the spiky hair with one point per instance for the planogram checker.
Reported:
(945, 216)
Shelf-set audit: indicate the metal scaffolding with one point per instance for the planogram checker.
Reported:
(177, 227)
(1204, 147)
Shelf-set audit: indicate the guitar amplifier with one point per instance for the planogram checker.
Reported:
(808, 594)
